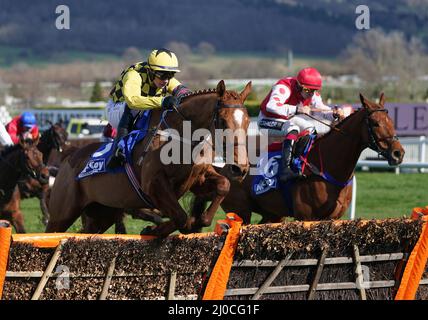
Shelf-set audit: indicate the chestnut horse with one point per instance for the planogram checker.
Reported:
(21, 161)
(103, 197)
(336, 153)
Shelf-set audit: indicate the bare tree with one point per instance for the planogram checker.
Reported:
(382, 59)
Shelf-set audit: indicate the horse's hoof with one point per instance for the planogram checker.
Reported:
(147, 231)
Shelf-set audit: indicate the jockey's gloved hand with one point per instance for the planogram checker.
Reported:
(169, 102)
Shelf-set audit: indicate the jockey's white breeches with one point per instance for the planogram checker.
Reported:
(115, 112)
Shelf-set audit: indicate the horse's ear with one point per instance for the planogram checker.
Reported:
(221, 88)
(382, 99)
(364, 101)
(244, 94)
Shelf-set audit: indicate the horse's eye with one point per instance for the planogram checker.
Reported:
(374, 124)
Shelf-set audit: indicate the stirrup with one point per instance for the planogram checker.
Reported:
(116, 160)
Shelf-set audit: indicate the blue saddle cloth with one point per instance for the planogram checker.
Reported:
(268, 173)
(270, 166)
(97, 162)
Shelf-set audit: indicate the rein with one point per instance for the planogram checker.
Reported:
(373, 145)
(328, 125)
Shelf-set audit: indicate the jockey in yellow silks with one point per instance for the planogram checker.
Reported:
(142, 86)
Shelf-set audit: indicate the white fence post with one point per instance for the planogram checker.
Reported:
(422, 151)
(353, 205)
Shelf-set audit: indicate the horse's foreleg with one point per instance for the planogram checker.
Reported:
(18, 221)
(43, 197)
(221, 187)
(163, 195)
(98, 218)
(119, 225)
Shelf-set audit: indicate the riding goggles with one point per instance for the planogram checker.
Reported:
(307, 90)
(164, 75)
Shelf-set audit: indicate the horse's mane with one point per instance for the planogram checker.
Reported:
(201, 92)
(9, 149)
(198, 93)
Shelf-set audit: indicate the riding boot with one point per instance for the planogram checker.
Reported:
(287, 148)
(117, 156)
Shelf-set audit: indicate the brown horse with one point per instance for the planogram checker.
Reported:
(336, 153)
(18, 162)
(104, 196)
(51, 144)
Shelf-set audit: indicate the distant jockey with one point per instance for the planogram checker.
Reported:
(283, 111)
(23, 126)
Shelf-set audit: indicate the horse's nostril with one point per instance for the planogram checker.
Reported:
(396, 154)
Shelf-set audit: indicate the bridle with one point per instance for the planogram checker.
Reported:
(373, 144)
(31, 172)
(374, 141)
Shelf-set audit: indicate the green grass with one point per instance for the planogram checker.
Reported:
(379, 196)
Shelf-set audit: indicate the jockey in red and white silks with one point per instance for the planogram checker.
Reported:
(283, 111)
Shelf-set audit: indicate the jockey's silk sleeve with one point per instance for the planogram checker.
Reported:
(132, 93)
(277, 101)
(172, 84)
(318, 103)
(326, 111)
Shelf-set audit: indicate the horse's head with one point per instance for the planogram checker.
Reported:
(232, 116)
(55, 137)
(32, 163)
(381, 136)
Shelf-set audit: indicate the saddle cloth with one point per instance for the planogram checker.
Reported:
(97, 161)
(270, 165)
